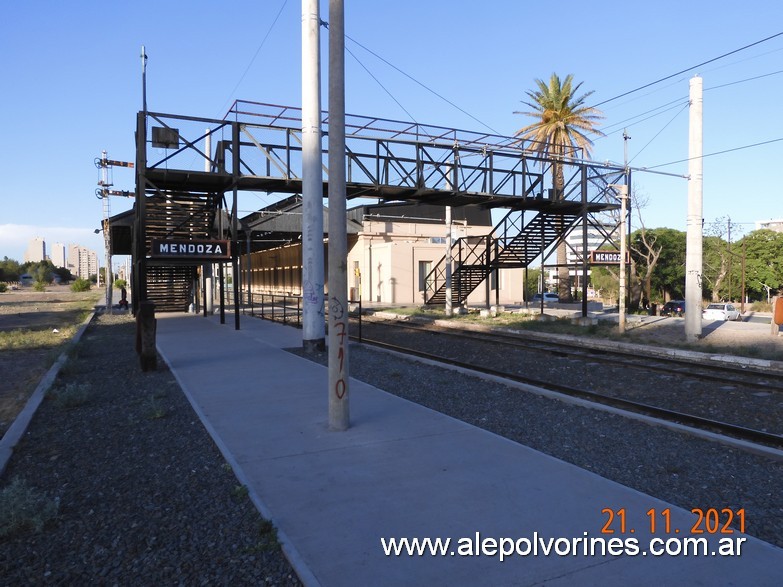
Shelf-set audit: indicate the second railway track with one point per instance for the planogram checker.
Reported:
(739, 402)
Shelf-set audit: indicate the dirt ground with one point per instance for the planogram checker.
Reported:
(748, 339)
(50, 318)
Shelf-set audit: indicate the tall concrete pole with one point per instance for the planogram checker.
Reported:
(623, 238)
(339, 415)
(312, 183)
(623, 189)
(693, 242)
(449, 263)
(209, 288)
(449, 260)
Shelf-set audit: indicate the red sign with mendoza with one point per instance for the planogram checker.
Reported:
(191, 250)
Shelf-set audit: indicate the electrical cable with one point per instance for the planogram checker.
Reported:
(680, 111)
(249, 65)
(624, 124)
(351, 53)
(413, 79)
(716, 153)
(749, 79)
(688, 69)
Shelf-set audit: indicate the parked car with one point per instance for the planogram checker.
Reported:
(721, 312)
(549, 298)
(673, 308)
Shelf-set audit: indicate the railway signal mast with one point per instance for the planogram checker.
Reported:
(103, 192)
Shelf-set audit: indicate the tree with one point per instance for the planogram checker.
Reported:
(10, 269)
(667, 281)
(563, 123)
(763, 262)
(42, 271)
(532, 282)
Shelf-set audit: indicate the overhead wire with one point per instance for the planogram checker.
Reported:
(688, 69)
(249, 65)
(624, 123)
(396, 101)
(680, 111)
(716, 153)
(423, 85)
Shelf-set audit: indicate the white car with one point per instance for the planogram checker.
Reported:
(549, 298)
(721, 312)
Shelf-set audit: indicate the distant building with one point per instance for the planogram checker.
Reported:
(36, 250)
(82, 262)
(776, 225)
(59, 257)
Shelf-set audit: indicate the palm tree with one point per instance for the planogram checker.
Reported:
(562, 126)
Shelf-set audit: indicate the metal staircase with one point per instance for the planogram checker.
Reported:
(518, 244)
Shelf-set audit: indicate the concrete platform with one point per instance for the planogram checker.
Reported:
(403, 470)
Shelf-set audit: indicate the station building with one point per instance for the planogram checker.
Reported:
(392, 249)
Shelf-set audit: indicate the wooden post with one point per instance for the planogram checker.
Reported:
(145, 336)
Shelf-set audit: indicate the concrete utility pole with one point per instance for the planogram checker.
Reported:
(623, 190)
(339, 414)
(450, 170)
(312, 183)
(209, 288)
(449, 262)
(693, 242)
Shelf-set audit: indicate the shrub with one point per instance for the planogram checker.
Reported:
(120, 283)
(3, 287)
(80, 285)
(72, 396)
(24, 508)
(39, 286)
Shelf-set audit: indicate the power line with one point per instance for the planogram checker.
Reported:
(623, 124)
(716, 153)
(688, 69)
(351, 53)
(749, 79)
(249, 65)
(423, 85)
(680, 111)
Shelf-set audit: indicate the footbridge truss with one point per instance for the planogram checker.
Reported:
(186, 166)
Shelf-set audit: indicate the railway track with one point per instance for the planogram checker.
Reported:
(742, 403)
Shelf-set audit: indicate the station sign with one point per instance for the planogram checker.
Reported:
(607, 257)
(195, 250)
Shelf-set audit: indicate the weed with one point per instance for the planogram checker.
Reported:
(24, 508)
(239, 492)
(72, 396)
(156, 410)
(267, 534)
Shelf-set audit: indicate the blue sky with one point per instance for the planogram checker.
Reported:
(72, 86)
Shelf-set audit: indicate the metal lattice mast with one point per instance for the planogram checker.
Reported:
(104, 183)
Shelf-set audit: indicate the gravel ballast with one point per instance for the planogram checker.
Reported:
(677, 467)
(144, 496)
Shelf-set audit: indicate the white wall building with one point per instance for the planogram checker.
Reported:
(776, 225)
(82, 262)
(59, 257)
(36, 250)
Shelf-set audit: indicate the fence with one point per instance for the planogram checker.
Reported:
(285, 308)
